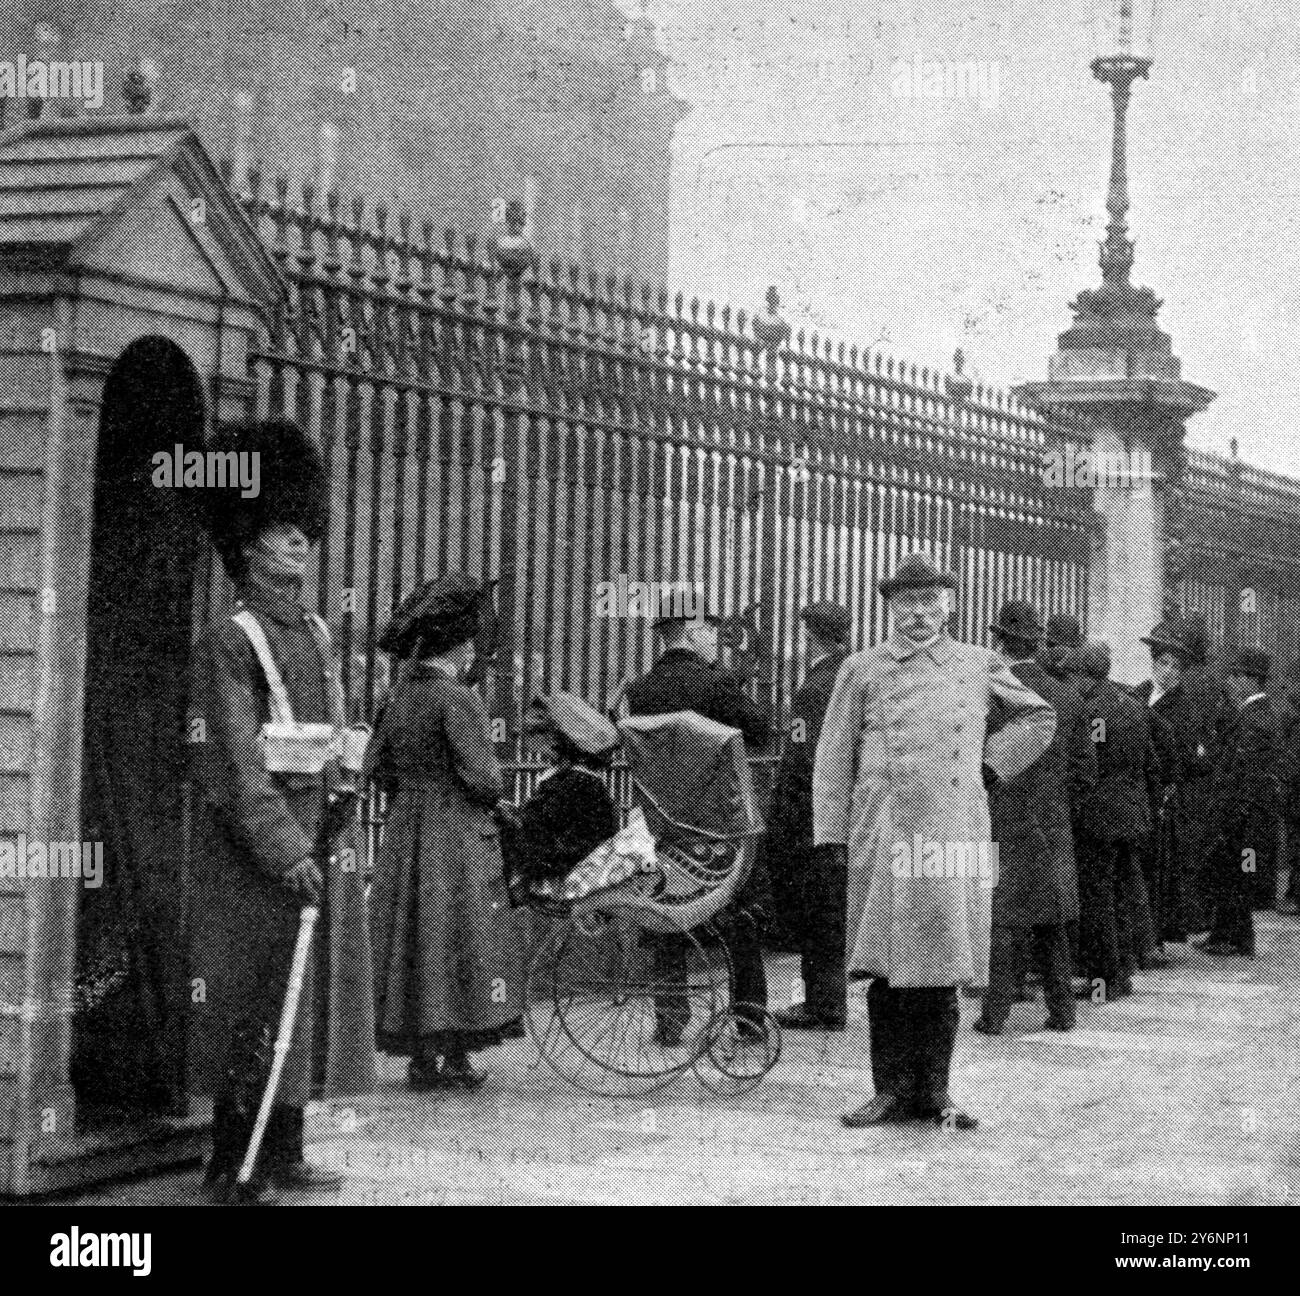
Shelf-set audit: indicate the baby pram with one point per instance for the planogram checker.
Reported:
(596, 990)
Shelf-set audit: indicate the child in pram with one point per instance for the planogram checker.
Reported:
(571, 811)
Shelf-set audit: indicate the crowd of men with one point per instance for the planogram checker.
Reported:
(1126, 821)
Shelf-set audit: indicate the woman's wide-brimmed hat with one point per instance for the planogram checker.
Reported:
(916, 571)
(293, 486)
(440, 614)
(578, 721)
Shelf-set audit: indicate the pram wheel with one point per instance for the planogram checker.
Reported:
(619, 1011)
(740, 1049)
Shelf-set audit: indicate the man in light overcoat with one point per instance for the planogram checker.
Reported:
(917, 727)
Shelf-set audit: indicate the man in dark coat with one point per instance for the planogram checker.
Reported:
(257, 857)
(1242, 838)
(687, 677)
(1114, 824)
(447, 946)
(817, 888)
(1037, 892)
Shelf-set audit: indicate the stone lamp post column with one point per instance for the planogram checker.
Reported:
(1114, 370)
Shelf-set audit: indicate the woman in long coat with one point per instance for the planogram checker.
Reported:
(447, 945)
(1189, 717)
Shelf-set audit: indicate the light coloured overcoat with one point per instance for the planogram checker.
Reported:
(898, 767)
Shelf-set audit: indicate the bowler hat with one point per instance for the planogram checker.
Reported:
(828, 620)
(293, 487)
(916, 571)
(1092, 658)
(1018, 620)
(578, 721)
(683, 603)
(1254, 662)
(440, 614)
(1062, 631)
(1170, 636)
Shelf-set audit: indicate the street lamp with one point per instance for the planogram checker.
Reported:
(1121, 62)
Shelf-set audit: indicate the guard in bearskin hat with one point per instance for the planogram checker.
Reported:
(265, 714)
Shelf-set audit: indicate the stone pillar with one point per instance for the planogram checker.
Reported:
(1126, 575)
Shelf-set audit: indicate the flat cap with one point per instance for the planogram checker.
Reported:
(578, 721)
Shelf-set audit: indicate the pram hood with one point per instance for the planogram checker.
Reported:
(694, 772)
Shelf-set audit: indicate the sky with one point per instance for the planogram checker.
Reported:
(920, 215)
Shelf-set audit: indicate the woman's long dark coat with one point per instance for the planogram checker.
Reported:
(249, 827)
(448, 947)
(1188, 724)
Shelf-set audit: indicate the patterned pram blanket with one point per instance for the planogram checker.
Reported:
(627, 856)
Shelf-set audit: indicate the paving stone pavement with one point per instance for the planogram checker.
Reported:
(1187, 1093)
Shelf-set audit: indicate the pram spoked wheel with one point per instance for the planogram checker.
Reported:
(739, 1050)
(619, 1011)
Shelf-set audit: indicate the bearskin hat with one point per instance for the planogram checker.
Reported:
(292, 480)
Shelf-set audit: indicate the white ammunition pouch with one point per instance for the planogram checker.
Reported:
(290, 746)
